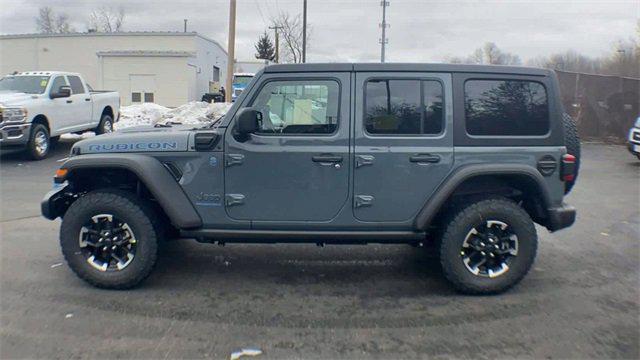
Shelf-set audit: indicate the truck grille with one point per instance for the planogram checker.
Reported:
(636, 136)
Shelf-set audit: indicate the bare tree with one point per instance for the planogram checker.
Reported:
(106, 19)
(489, 53)
(290, 30)
(49, 23)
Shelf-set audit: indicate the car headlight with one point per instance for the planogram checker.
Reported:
(13, 114)
(638, 122)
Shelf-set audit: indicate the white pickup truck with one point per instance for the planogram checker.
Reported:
(37, 107)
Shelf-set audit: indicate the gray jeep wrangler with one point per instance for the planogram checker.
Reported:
(466, 158)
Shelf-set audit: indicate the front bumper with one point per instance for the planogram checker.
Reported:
(56, 201)
(561, 217)
(14, 134)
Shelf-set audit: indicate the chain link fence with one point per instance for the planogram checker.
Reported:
(605, 107)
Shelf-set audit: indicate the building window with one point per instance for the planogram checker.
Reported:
(136, 97)
(506, 108)
(148, 97)
(216, 73)
(403, 107)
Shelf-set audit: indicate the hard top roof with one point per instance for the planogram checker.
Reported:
(406, 67)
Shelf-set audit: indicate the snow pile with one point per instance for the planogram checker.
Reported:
(192, 113)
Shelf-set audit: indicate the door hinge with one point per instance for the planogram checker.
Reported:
(234, 199)
(363, 200)
(233, 159)
(362, 160)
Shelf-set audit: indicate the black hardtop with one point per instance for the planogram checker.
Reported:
(406, 67)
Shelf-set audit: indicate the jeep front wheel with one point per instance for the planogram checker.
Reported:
(488, 246)
(109, 238)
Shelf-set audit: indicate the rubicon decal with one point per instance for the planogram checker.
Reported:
(133, 146)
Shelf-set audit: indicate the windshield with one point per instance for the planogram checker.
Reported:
(242, 79)
(24, 84)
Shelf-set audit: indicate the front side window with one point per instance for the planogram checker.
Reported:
(403, 107)
(506, 108)
(298, 107)
(57, 83)
(24, 84)
(76, 85)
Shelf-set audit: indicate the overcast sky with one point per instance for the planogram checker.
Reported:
(421, 31)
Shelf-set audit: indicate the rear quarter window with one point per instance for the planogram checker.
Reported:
(506, 108)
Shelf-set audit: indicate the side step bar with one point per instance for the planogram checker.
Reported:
(286, 236)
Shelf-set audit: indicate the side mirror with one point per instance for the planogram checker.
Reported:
(63, 92)
(248, 121)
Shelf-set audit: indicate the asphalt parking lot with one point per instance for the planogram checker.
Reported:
(581, 300)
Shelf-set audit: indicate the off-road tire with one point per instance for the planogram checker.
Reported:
(105, 125)
(126, 206)
(33, 149)
(468, 216)
(572, 142)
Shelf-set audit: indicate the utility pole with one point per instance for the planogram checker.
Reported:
(185, 25)
(231, 50)
(383, 25)
(275, 28)
(304, 31)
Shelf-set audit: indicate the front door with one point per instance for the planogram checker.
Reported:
(403, 145)
(296, 167)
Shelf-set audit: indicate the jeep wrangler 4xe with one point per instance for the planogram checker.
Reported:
(465, 157)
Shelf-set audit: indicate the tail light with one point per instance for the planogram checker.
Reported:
(568, 172)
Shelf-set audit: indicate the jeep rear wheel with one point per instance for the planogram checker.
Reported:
(109, 238)
(488, 246)
(572, 143)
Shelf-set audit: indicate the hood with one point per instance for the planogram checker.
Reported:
(8, 98)
(143, 139)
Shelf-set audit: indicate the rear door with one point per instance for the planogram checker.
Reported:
(403, 143)
(81, 103)
(296, 167)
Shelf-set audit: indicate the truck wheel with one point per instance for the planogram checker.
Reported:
(105, 126)
(572, 142)
(488, 246)
(110, 239)
(39, 142)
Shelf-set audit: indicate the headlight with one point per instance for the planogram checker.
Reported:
(638, 122)
(13, 114)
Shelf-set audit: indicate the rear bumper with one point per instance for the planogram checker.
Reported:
(561, 217)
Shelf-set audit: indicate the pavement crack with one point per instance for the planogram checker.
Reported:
(20, 218)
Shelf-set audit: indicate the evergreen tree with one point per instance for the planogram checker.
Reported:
(265, 49)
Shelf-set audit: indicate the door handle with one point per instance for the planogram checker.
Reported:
(327, 158)
(88, 99)
(69, 101)
(425, 158)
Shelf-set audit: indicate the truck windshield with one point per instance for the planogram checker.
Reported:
(24, 84)
(242, 79)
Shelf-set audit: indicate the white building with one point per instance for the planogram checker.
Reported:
(168, 68)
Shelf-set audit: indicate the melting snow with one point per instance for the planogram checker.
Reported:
(192, 113)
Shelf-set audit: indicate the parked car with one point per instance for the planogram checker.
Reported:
(240, 82)
(37, 107)
(634, 139)
(465, 157)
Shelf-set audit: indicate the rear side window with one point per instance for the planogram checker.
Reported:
(76, 85)
(506, 108)
(403, 107)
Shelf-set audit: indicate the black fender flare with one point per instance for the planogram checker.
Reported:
(451, 183)
(155, 177)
